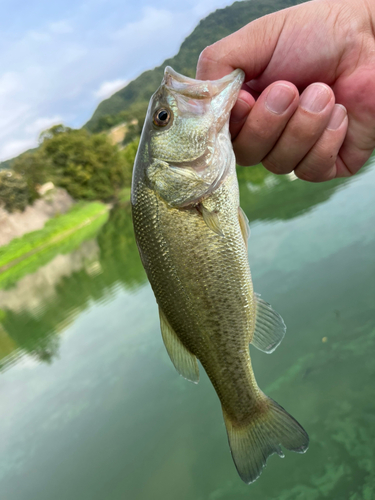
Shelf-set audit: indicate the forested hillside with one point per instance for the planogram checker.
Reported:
(131, 101)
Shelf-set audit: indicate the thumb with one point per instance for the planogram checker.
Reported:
(250, 48)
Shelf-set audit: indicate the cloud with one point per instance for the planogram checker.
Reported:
(14, 148)
(56, 69)
(10, 83)
(51, 30)
(156, 34)
(106, 89)
(39, 36)
(41, 124)
(60, 27)
(151, 25)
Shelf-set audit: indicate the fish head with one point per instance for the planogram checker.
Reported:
(184, 131)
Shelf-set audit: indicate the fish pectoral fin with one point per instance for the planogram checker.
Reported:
(184, 361)
(269, 327)
(269, 428)
(244, 225)
(211, 219)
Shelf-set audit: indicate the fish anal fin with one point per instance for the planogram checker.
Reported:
(269, 428)
(269, 327)
(211, 218)
(183, 360)
(244, 225)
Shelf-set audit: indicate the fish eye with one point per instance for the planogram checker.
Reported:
(162, 117)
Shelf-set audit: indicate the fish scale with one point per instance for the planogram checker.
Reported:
(195, 256)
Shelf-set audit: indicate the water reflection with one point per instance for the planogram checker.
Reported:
(42, 304)
(265, 196)
(34, 291)
(35, 261)
(119, 256)
(104, 415)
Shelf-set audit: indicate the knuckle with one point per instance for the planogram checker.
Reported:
(246, 158)
(307, 174)
(317, 168)
(276, 167)
(260, 134)
(208, 55)
(322, 157)
(308, 130)
(312, 175)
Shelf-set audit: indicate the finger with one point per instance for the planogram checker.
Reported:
(260, 36)
(303, 130)
(265, 123)
(240, 112)
(320, 163)
(357, 92)
(358, 146)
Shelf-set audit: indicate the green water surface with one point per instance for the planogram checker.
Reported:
(91, 407)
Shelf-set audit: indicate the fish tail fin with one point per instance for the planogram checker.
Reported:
(270, 426)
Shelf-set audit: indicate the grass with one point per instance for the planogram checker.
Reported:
(54, 230)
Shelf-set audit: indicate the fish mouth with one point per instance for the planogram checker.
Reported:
(199, 89)
(221, 94)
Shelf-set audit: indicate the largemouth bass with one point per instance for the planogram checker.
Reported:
(192, 238)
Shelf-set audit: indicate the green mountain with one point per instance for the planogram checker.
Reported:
(131, 101)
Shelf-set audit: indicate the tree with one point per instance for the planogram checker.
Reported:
(14, 191)
(87, 166)
(35, 169)
(128, 157)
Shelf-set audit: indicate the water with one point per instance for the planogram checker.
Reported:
(92, 408)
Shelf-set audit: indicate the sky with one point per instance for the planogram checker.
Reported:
(59, 59)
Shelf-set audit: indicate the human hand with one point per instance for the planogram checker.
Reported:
(324, 49)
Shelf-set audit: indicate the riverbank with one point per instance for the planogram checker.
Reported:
(55, 230)
(53, 202)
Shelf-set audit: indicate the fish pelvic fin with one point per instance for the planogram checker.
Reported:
(211, 218)
(270, 428)
(269, 327)
(244, 225)
(183, 360)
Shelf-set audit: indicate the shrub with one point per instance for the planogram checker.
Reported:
(14, 191)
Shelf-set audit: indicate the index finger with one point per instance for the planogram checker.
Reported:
(249, 48)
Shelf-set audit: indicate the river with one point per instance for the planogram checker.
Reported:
(91, 407)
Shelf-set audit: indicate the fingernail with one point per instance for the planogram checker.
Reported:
(337, 117)
(315, 98)
(240, 111)
(279, 98)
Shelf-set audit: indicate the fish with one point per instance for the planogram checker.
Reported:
(192, 238)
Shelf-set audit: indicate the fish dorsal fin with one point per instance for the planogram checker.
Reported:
(269, 327)
(184, 361)
(244, 225)
(211, 219)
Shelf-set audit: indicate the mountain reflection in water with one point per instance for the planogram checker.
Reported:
(92, 408)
